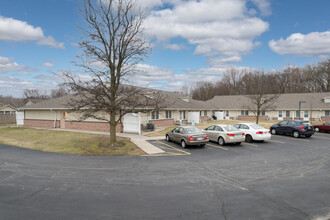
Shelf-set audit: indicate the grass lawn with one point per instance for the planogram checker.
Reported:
(66, 142)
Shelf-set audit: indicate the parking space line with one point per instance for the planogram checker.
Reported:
(292, 138)
(277, 141)
(217, 146)
(254, 145)
(187, 153)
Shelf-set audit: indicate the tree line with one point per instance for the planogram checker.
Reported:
(307, 79)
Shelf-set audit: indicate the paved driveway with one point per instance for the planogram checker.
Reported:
(286, 178)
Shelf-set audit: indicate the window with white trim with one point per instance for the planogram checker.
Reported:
(287, 114)
(205, 113)
(244, 112)
(305, 114)
(262, 113)
(327, 112)
(280, 114)
(154, 115)
(168, 114)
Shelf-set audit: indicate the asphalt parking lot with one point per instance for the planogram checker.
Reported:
(285, 178)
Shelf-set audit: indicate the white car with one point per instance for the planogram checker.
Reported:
(254, 132)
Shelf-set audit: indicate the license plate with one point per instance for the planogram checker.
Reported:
(199, 139)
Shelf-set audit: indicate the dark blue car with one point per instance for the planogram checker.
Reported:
(296, 128)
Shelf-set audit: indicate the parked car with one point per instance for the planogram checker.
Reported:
(254, 132)
(225, 134)
(293, 127)
(323, 127)
(187, 135)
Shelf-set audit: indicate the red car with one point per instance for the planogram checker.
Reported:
(324, 127)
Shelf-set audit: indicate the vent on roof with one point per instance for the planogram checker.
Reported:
(185, 99)
(326, 99)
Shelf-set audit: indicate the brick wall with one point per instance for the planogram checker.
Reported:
(325, 118)
(41, 123)
(162, 122)
(203, 118)
(92, 126)
(7, 119)
(251, 117)
(78, 125)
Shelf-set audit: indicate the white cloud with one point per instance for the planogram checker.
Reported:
(8, 64)
(174, 46)
(16, 30)
(264, 6)
(47, 64)
(312, 44)
(216, 27)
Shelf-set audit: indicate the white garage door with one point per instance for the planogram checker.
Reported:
(20, 118)
(132, 123)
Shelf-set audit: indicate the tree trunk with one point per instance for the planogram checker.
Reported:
(112, 123)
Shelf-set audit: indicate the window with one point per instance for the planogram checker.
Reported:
(176, 130)
(280, 114)
(13, 112)
(205, 113)
(181, 131)
(262, 113)
(283, 123)
(245, 112)
(297, 114)
(168, 114)
(155, 115)
(182, 115)
(305, 114)
(200, 113)
(292, 123)
(244, 127)
(211, 128)
(7, 112)
(227, 113)
(287, 114)
(2, 112)
(327, 113)
(217, 128)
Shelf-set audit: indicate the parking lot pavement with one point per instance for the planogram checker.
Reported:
(284, 178)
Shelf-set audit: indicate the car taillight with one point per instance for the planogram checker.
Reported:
(191, 138)
(268, 132)
(207, 137)
(302, 128)
(259, 132)
(230, 135)
(243, 134)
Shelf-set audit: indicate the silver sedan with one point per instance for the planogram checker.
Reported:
(225, 134)
(187, 135)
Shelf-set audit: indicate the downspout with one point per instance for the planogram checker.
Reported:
(55, 118)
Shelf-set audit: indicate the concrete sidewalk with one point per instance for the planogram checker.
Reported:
(138, 140)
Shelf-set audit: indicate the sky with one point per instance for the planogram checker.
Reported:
(193, 40)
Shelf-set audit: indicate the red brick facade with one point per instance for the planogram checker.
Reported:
(41, 123)
(203, 118)
(162, 122)
(252, 117)
(325, 118)
(78, 125)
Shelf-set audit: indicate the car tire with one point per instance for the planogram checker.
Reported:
(221, 141)
(168, 139)
(296, 134)
(248, 138)
(183, 144)
(317, 129)
(238, 143)
(202, 145)
(273, 131)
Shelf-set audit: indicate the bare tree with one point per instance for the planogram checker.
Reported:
(255, 88)
(35, 94)
(114, 43)
(60, 91)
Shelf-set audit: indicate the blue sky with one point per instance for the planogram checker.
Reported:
(192, 40)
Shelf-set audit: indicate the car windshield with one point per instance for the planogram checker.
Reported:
(194, 130)
(306, 123)
(230, 128)
(255, 126)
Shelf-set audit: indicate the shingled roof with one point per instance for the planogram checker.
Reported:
(314, 101)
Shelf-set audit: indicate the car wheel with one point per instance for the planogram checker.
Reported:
(238, 143)
(202, 145)
(248, 138)
(183, 144)
(273, 131)
(221, 141)
(168, 138)
(317, 129)
(296, 134)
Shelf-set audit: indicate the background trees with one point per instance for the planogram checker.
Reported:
(311, 78)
